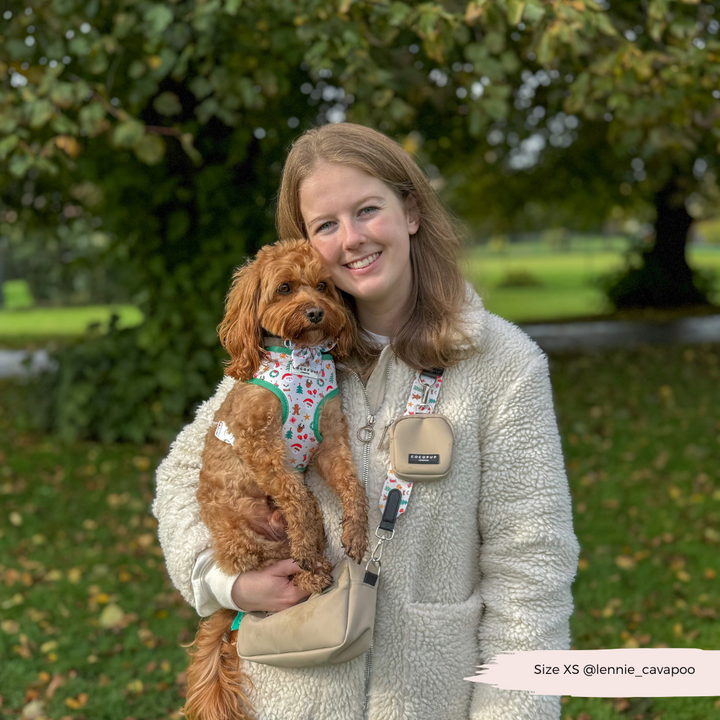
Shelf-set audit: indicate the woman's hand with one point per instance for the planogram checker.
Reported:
(269, 589)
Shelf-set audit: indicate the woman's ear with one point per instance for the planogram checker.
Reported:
(412, 213)
(240, 332)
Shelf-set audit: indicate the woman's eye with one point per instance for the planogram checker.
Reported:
(369, 207)
(322, 227)
(284, 289)
(322, 286)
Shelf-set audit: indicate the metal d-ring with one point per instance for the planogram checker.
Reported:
(368, 433)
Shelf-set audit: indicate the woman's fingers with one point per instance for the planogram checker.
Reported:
(287, 567)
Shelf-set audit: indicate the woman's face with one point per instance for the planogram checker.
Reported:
(362, 231)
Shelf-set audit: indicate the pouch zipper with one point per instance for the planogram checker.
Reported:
(366, 467)
(385, 432)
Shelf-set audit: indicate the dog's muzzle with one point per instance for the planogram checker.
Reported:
(315, 315)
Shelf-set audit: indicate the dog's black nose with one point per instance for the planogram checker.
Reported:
(314, 315)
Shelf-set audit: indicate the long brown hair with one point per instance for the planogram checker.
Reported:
(429, 332)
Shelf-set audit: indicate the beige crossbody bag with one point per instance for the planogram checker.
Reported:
(336, 625)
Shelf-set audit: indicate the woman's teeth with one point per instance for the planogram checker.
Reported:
(364, 262)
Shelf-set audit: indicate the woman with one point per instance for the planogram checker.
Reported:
(483, 561)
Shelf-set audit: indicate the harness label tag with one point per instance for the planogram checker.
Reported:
(307, 371)
(222, 433)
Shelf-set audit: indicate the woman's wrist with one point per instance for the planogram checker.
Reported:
(236, 593)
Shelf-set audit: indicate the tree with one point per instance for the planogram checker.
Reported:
(179, 115)
(630, 129)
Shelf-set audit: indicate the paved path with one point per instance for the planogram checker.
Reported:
(551, 337)
(615, 334)
(11, 362)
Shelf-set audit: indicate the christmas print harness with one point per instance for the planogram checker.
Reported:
(303, 378)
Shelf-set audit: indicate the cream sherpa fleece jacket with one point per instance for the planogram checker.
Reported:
(481, 563)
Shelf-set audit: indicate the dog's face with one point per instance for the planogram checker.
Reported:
(287, 292)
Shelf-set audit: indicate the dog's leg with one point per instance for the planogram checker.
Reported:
(335, 464)
(255, 421)
(239, 540)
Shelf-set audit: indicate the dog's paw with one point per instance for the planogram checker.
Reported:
(354, 541)
(307, 564)
(324, 567)
(312, 582)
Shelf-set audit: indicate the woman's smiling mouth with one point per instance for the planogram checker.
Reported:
(364, 262)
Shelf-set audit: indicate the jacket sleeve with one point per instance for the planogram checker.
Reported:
(212, 588)
(529, 552)
(183, 535)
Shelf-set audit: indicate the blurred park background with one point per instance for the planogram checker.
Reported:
(141, 146)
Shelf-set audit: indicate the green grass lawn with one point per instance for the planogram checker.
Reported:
(91, 627)
(63, 321)
(566, 279)
(565, 291)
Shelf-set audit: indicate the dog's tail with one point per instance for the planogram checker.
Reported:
(217, 686)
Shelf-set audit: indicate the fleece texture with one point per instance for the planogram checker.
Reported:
(482, 562)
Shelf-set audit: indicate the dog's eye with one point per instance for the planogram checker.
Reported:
(284, 289)
(322, 286)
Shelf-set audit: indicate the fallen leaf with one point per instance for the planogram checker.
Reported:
(146, 540)
(77, 702)
(34, 710)
(141, 463)
(711, 534)
(55, 683)
(625, 562)
(112, 616)
(135, 686)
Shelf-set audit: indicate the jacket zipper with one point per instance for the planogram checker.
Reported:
(366, 467)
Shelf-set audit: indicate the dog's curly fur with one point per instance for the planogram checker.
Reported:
(256, 506)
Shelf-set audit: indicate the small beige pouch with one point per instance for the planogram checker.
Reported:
(330, 627)
(421, 447)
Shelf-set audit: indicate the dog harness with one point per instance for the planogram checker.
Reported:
(303, 378)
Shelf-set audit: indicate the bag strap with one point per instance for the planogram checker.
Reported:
(395, 494)
(422, 400)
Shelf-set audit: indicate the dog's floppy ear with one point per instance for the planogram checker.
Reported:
(346, 339)
(240, 332)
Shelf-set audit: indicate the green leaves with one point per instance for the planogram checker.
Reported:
(515, 10)
(150, 149)
(534, 12)
(167, 103)
(92, 119)
(157, 19)
(230, 84)
(7, 145)
(126, 134)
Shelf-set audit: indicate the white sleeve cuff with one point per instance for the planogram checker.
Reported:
(211, 586)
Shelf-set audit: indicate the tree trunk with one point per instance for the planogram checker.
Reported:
(664, 279)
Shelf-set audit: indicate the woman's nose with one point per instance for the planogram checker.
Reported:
(353, 235)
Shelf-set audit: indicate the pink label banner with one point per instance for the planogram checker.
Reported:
(631, 672)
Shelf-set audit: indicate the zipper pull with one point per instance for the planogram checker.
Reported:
(385, 432)
(366, 433)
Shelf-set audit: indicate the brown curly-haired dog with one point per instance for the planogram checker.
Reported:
(255, 504)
